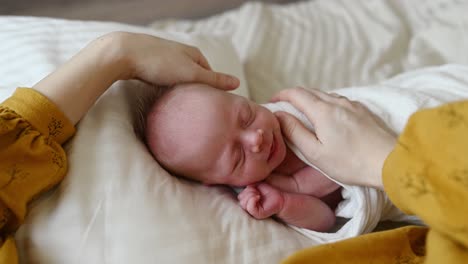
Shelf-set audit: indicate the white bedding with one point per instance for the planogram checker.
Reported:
(117, 205)
(331, 44)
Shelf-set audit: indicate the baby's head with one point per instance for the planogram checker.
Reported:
(214, 137)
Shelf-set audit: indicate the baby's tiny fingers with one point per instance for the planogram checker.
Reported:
(246, 195)
(241, 195)
(243, 203)
(252, 205)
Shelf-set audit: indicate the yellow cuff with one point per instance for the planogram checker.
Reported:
(394, 170)
(405, 166)
(8, 251)
(41, 113)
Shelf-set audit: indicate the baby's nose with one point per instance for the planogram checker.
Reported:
(256, 140)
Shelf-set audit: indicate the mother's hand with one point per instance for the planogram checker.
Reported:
(350, 144)
(75, 86)
(165, 62)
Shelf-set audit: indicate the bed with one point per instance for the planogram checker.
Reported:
(117, 205)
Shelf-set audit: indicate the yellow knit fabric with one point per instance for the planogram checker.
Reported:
(426, 175)
(32, 160)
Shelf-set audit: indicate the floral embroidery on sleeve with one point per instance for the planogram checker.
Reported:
(55, 127)
(460, 176)
(452, 116)
(416, 184)
(15, 174)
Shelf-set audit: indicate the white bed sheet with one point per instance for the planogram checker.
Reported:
(330, 44)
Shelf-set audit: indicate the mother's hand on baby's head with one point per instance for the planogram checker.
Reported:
(165, 62)
(75, 86)
(350, 144)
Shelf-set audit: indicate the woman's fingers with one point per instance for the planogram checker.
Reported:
(346, 133)
(298, 134)
(198, 57)
(322, 95)
(335, 95)
(203, 72)
(297, 95)
(165, 62)
(309, 103)
(325, 96)
(215, 79)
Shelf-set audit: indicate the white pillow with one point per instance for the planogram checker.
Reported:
(117, 205)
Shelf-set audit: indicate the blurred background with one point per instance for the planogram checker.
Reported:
(139, 12)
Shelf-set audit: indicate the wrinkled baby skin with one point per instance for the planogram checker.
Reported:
(213, 136)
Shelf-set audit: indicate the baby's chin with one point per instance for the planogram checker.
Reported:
(282, 149)
(246, 182)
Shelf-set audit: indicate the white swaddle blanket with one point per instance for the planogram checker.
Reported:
(363, 206)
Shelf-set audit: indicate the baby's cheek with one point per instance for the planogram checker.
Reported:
(259, 171)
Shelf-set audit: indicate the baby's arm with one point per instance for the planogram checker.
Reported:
(307, 180)
(263, 201)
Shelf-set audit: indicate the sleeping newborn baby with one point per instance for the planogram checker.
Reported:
(215, 137)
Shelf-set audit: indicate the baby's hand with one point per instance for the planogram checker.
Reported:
(261, 200)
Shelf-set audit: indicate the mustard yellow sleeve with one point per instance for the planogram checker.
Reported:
(32, 160)
(426, 175)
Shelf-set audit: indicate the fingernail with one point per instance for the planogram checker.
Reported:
(233, 82)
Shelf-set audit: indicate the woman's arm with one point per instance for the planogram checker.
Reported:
(77, 84)
(34, 123)
(31, 158)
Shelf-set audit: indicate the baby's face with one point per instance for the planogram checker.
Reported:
(217, 137)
